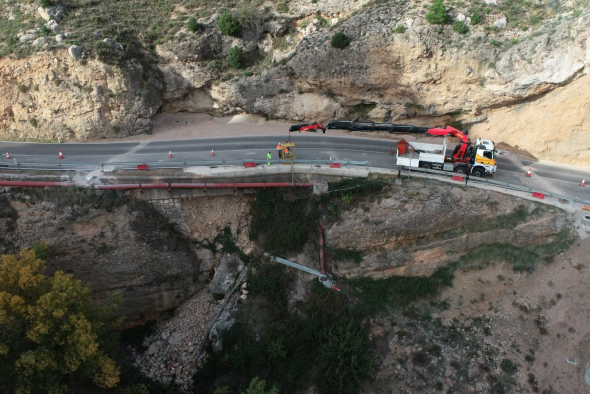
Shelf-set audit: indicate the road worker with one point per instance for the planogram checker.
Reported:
(279, 149)
(286, 151)
(268, 157)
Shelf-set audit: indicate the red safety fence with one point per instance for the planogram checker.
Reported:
(334, 165)
(249, 164)
(538, 195)
(458, 178)
(142, 166)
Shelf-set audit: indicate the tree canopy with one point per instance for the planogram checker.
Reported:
(52, 336)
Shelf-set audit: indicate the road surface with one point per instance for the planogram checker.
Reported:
(511, 168)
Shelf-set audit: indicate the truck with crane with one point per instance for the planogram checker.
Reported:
(477, 159)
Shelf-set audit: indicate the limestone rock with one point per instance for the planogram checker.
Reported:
(59, 38)
(27, 37)
(500, 23)
(225, 274)
(53, 26)
(75, 52)
(39, 42)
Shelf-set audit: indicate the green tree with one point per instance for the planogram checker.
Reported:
(340, 40)
(228, 24)
(234, 57)
(45, 3)
(344, 359)
(258, 386)
(437, 14)
(51, 334)
(460, 27)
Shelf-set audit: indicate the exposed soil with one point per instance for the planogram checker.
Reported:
(494, 331)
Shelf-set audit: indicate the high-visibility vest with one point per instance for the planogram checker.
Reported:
(286, 151)
(268, 156)
(279, 147)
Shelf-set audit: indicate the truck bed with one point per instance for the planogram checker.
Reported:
(432, 153)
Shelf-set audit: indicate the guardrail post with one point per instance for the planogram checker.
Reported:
(184, 165)
(101, 167)
(59, 166)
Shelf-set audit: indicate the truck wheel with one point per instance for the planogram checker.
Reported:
(478, 172)
(460, 170)
(428, 166)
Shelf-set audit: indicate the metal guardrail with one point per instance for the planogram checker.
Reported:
(164, 164)
(221, 163)
(492, 182)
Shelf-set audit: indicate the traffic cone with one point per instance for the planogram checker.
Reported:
(391, 151)
(60, 155)
(581, 184)
(7, 155)
(212, 153)
(529, 173)
(170, 153)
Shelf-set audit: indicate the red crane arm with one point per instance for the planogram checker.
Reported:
(448, 130)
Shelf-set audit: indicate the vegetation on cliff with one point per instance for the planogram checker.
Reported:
(51, 335)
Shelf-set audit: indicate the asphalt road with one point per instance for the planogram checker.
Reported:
(511, 168)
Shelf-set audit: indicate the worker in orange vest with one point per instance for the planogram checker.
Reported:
(286, 151)
(279, 149)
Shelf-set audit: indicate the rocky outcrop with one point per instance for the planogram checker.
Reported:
(421, 228)
(80, 98)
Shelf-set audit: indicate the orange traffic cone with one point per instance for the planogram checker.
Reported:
(581, 184)
(391, 151)
(60, 155)
(7, 155)
(169, 153)
(529, 173)
(212, 153)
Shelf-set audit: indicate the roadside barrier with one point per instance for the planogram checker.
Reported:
(253, 162)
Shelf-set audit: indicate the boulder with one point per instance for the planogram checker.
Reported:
(460, 17)
(500, 23)
(97, 33)
(26, 37)
(39, 42)
(53, 26)
(59, 38)
(225, 274)
(75, 52)
(43, 13)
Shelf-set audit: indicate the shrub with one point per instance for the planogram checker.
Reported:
(438, 13)
(22, 88)
(193, 25)
(476, 18)
(41, 250)
(282, 7)
(45, 3)
(495, 43)
(340, 40)
(344, 359)
(234, 57)
(460, 27)
(228, 24)
(33, 122)
(400, 29)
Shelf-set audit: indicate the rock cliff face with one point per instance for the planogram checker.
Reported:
(49, 94)
(497, 76)
(422, 227)
(158, 254)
